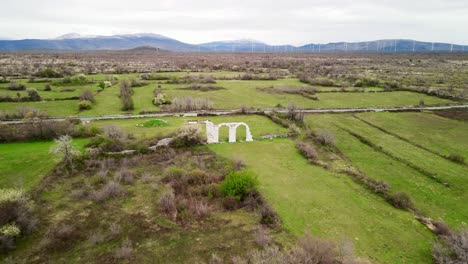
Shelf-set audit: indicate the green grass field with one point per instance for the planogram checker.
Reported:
(25, 164)
(259, 125)
(433, 198)
(309, 198)
(237, 93)
(447, 136)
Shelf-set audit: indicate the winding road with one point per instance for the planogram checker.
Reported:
(260, 111)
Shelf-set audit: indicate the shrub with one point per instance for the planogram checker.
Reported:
(451, 249)
(111, 190)
(262, 237)
(325, 137)
(457, 158)
(268, 216)
(16, 86)
(400, 201)
(188, 136)
(87, 95)
(84, 105)
(48, 73)
(47, 87)
(199, 208)
(312, 250)
(167, 205)
(125, 251)
(441, 228)
(231, 203)
(238, 184)
(307, 150)
(381, 187)
(160, 99)
(16, 216)
(33, 94)
(114, 230)
(125, 176)
(60, 237)
(421, 102)
(294, 129)
(190, 104)
(367, 82)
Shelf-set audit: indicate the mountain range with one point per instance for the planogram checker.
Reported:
(77, 42)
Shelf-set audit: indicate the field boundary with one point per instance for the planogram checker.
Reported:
(258, 111)
(380, 149)
(407, 140)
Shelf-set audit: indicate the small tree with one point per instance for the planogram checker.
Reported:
(33, 94)
(126, 93)
(65, 151)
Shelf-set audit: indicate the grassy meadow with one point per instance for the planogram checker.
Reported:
(310, 198)
(24, 164)
(233, 95)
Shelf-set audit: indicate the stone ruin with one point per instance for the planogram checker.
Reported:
(212, 131)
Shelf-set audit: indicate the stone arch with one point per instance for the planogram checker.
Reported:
(212, 131)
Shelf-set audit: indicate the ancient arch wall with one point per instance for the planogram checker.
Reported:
(212, 131)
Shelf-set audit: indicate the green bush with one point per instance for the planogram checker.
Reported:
(238, 184)
(85, 105)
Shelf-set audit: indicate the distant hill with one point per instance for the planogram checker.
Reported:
(142, 42)
(117, 42)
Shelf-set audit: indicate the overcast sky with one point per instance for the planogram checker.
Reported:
(272, 21)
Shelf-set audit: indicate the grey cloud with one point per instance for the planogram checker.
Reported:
(293, 21)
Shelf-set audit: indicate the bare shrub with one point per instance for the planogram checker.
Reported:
(400, 201)
(381, 187)
(188, 103)
(268, 216)
(239, 164)
(451, 249)
(114, 230)
(78, 194)
(200, 209)
(188, 136)
(60, 237)
(111, 190)
(146, 177)
(125, 251)
(96, 238)
(262, 237)
(253, 200)
(167, 205)
(441, 228)
(114, 133)
(214, 259)
(87, 95)
(125, 176)
(312, 250)
(270, 255)
(231, 203)
(325, 137)
(307, 150)
(16, 86)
